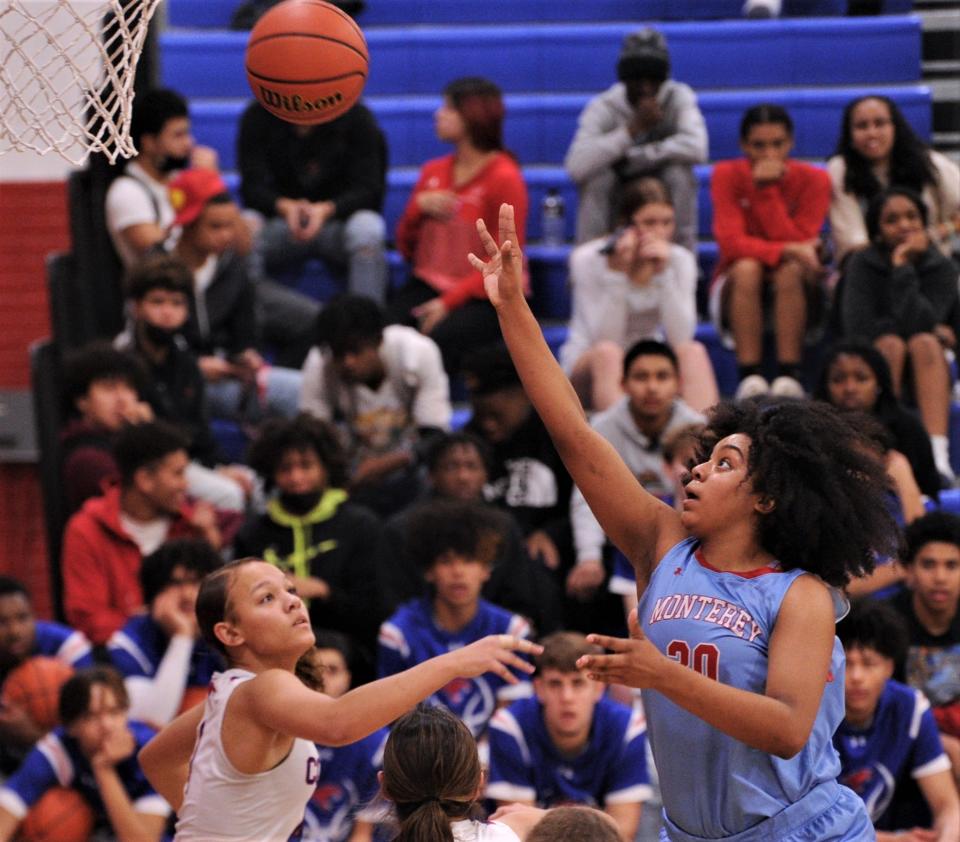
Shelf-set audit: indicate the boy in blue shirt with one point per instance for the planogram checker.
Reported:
(888, 739)
(455, 543)
(95, 753)
(23, 636)
(339, 810)
(165, 664)
(570, 744)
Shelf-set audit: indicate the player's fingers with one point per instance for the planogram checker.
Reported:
(633, 623)
(504, 673)
(487, 240)
(512, 660)
(476, 262)
(508, 228)
(614, 644)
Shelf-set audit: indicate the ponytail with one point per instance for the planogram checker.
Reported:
(431, 772)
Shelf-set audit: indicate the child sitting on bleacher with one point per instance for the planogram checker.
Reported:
(330, 546)
(93, 752)
(457, 469)
(341, 809)
(570, 744)
(646, 124)
(888, 741)
(635, 284)
(386, 388)
(228, 311)
(455, 544)
(105, 542)
(165, 665)
(444, 296)
(23, 636)
(767, 213)
(930, 605)
(877, 149)
(159, 291)
(900, 294)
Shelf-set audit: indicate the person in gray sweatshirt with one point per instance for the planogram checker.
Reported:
(635, 426)
(645, 124)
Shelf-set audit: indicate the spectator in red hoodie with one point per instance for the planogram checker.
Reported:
(106, 540)
(444, 296)
(767, 215)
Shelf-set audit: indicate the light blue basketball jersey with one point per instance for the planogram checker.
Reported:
(720, 624)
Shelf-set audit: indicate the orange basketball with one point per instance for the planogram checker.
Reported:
(306, 61)
(61, 815)
(35, 687)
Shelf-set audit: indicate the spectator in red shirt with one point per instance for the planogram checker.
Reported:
(444, 295)
(767, 214)
(105, 541)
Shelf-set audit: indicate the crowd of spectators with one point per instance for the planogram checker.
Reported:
(407, 537)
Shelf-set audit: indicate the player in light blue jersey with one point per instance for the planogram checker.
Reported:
(733, 640)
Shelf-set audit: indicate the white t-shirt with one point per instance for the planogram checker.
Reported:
(149, 535)
(221, 804)
(415, 392)
(129, 203)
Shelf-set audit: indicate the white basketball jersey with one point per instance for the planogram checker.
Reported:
(473, 831)
(221, 804)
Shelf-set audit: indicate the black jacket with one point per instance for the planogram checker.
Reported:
(343, 161)
(337, 541)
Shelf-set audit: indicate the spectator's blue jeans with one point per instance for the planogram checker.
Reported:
(357, 244)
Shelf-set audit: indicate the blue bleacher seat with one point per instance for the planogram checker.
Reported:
(539, 128)
(582, 57)
(217, 13)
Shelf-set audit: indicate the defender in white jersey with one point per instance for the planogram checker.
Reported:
(786, 504)
(242, 766)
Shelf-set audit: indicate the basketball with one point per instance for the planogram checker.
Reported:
(306, 61)
(35, 687)
(61, 815)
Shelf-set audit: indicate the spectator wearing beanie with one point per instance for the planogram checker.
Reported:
(645, 124)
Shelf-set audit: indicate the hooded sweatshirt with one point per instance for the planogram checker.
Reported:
(642, 456)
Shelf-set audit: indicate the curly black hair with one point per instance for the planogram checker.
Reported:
(439, 527)
(830, 516)
(98, 361)
(348, 323)
(192, 554)
(443, 443)
(490, 369)
(875, 625)
(302, 433)
(942, 527)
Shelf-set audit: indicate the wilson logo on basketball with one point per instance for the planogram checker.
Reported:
(296, 104)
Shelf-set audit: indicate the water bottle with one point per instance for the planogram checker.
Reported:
(553, 223)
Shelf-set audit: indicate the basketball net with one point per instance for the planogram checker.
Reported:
(66, 71)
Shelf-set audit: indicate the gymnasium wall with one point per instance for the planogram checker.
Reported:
(33, 223)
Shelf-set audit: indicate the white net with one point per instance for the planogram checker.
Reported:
(67, 69)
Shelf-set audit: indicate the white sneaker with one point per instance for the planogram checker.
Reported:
(751, 386)
(787, 387)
